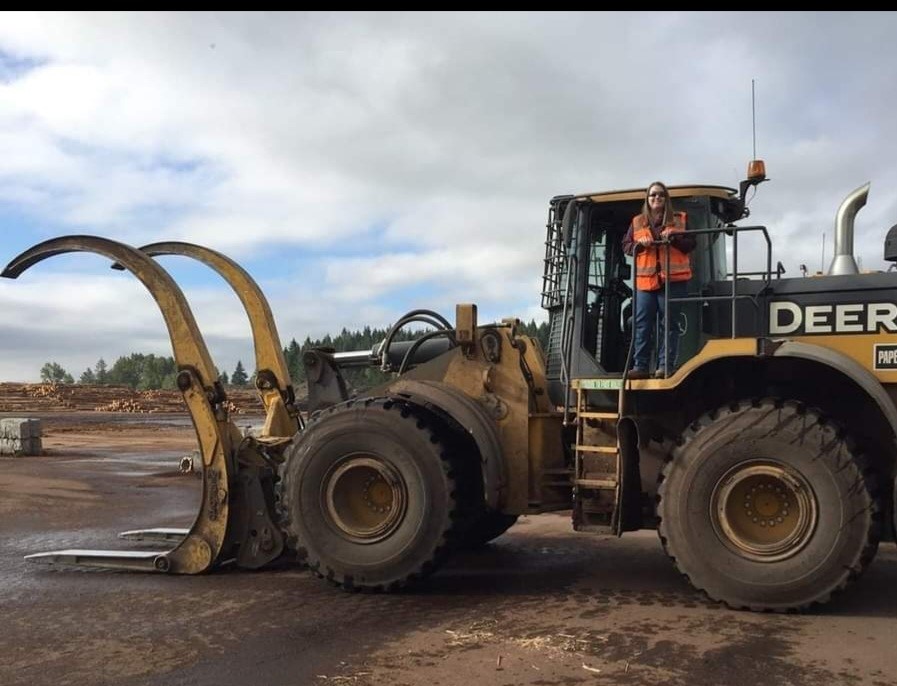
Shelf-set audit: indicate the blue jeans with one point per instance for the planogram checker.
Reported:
(649, 307)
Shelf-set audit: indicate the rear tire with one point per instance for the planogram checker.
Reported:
(766, 506)
(368, 496)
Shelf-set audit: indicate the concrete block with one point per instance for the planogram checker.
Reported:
(32, 446)
(18, 427)
(20, 437)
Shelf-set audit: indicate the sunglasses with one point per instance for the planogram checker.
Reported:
(657, 195)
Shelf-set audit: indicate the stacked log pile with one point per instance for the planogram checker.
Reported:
(49, 397)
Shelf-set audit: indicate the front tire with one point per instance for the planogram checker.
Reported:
(767, 506)
(488, 526)
(368, 495)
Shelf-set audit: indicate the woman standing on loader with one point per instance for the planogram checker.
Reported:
(653, 233)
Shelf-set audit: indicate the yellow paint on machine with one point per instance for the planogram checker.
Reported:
(858, 347)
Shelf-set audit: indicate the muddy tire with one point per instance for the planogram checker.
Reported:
(767, 506)
(487, 527)
(368, 496)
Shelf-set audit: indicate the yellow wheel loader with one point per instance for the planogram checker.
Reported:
(766, 460)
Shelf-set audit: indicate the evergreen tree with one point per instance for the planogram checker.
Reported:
(157, 372)
(239, 378)
(87, 376)
(126, 370)
(222, 379)
(52, 372)
(293, 356)
(144, 372)
(538, 331)
(100, 373)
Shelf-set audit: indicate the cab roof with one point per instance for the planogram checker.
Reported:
(675, 192)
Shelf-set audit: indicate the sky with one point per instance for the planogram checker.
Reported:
(360, 165)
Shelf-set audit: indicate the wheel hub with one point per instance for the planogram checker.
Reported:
(364, 497)
(763, 510)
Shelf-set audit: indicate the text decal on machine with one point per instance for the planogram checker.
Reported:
(786, 318)
(885, 356)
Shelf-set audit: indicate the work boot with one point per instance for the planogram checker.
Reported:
(638, 374)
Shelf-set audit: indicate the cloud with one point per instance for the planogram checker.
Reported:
(360, 164)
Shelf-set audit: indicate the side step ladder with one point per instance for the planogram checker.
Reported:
(597, 471)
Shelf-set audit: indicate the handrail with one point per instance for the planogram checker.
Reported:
(734, 296)
(566, 341)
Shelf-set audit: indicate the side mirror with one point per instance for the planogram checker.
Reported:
(729, 210)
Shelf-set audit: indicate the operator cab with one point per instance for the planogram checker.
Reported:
(587, 285)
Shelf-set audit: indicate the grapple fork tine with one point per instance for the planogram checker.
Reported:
(272, 374)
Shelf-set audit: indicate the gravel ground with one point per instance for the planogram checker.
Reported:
(541, 605)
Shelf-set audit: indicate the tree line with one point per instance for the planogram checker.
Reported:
(138, 371)
(146, 372)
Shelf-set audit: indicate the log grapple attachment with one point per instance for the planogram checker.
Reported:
(236, 519)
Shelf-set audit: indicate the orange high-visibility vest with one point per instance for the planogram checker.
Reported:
(650, 262)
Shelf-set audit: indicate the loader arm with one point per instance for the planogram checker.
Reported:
(272, 381)
(208, 541)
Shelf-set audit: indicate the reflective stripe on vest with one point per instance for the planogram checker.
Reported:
(650, 262)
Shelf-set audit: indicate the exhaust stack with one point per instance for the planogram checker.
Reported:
(844, 261)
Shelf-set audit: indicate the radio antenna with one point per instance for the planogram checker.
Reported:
(753, 120)
(756, 168)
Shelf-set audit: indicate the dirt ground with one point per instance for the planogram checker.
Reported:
(542, 605)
